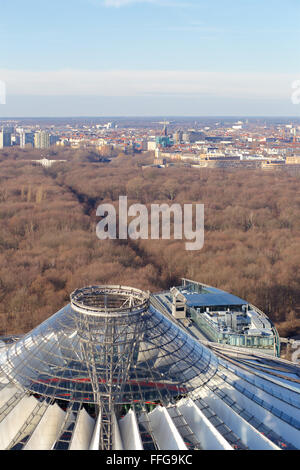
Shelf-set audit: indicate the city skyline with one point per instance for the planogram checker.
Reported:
(149, 57)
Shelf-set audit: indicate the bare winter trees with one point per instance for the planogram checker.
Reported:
(48, 243)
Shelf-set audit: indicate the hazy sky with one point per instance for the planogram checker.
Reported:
(146, 57)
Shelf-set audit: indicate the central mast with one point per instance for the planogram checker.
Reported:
(112, 314)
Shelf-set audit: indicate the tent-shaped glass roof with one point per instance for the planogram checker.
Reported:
(90, 377)
(109, 345)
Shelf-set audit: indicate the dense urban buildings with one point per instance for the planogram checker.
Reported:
(249, 143)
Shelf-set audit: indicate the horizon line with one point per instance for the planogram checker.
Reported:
(244, 116)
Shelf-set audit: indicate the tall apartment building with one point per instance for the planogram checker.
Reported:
(54, 139)
(41, 140)
(5, 139)
(26, 139)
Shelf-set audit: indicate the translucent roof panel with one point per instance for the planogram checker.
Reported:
(109, 343)
(210, 300)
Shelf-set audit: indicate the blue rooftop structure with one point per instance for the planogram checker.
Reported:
(220, 299)
(210, 296)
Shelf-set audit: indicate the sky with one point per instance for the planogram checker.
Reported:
(149, 57)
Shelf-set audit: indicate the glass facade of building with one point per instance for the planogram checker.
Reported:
(91, 353)
(231, 339)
